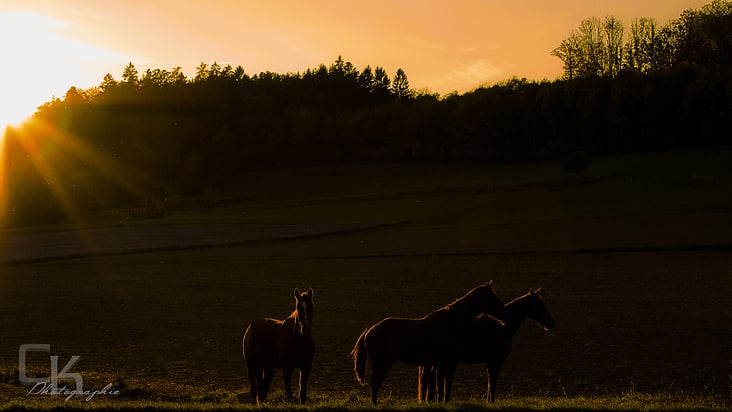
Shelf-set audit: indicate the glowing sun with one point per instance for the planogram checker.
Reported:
(19, 97)
(28, 40)
(13, 111)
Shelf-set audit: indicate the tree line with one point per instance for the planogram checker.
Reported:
(161, 134)
(606, 48)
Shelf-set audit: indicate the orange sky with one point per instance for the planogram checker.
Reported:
(451, 45)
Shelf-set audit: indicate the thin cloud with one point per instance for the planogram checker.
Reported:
(479, 71)
(425, 44)
(88, 13)
(466, 75)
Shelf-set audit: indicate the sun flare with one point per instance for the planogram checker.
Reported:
(23, 84)
(42, 59)
(12, 115)
(19, 98)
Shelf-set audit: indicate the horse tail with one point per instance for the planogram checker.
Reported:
(359, 355)
(245, 344)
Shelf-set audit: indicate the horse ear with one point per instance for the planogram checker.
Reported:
(297, 294)
(536, 291)
(310, 292)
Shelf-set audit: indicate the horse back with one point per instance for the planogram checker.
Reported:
(260, 342)
(413, 340)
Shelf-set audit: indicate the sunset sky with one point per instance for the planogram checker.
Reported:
(49, 45)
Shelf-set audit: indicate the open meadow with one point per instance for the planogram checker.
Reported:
(634, 257)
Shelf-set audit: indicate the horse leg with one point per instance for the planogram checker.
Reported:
(426, 384)
(440, 383)
(264, 385)
(255, 376)
(287, 375)
(423, 378)
(432, 384)
(378, 375)
(421, 383)
(450, 370)
(493, 371)
(304, 375)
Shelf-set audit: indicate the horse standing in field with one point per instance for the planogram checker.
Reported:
(431, 340)
(271, 344)
(490, 341)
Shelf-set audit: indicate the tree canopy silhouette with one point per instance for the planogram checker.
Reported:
(170, 135)
(698, 37)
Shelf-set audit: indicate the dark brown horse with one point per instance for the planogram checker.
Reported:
(434, 339)
(490, 341)
(271, 344)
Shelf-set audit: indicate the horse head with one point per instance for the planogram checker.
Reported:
(538, 311)
(304, 310)
(481, 299)
(490, 302)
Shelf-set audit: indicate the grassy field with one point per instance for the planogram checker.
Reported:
(619, 403)
(634, 257)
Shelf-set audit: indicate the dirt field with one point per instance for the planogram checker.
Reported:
(643, 321)
(637, 273)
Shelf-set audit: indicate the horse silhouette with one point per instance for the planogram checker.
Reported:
(489, 341)
(271, 344)
(434, 339)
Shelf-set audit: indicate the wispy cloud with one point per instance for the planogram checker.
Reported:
(479, 71)
(44, 39)
(88, 13)
(424, 44)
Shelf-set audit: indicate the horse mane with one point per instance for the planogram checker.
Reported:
(465, 299)
(293, 319)
(491, 318)
(517, 299)
(532, 292)
(297, 322)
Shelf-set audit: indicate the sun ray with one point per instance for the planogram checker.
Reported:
(58, 157)
(85, 154)
(43, 58)
(49, 175)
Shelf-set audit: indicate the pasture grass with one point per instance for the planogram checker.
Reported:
(163, 395)
(626, 402)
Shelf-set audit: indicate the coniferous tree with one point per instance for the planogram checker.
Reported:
(108, 83)
(130, 75)
(400, 85)
(202, 73)
(366, 79)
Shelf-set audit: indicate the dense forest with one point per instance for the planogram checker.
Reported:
(158, 134)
